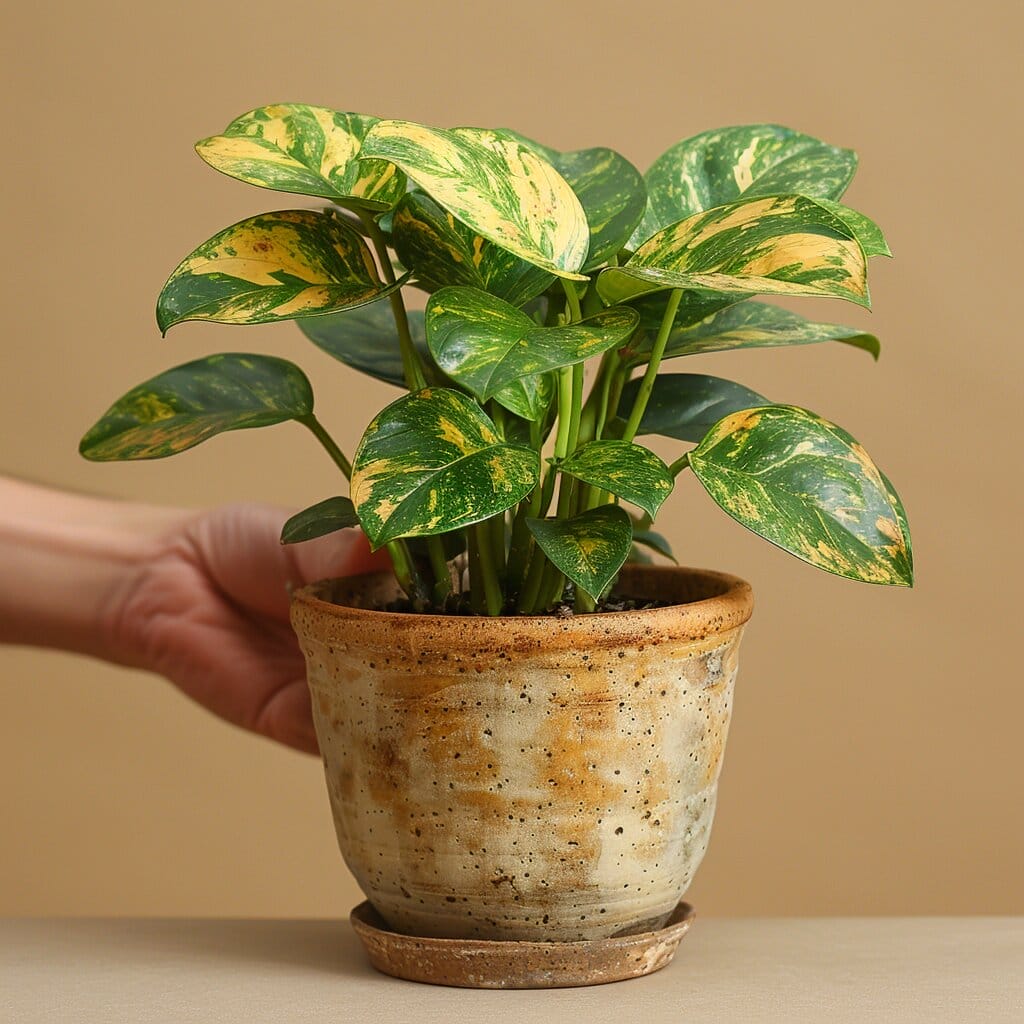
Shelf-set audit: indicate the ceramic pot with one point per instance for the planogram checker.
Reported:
(525, 778)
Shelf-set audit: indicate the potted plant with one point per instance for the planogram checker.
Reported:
(522, 727)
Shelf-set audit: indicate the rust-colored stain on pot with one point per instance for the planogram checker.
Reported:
(525, 778)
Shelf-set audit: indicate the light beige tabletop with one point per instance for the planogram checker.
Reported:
(786, 971)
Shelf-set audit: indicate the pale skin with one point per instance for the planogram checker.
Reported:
(199, 597)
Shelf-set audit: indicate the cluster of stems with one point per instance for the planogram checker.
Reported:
(507, 571)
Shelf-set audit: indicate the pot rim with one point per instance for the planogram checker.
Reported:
(728, 605)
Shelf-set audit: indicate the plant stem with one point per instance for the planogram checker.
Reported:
(531, 588)
(476, 591)
(336, 454)
(572, 300)
(488, 571)
(683, 462)
(657, 351)
(413, 370)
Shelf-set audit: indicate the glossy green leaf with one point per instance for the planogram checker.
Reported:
(441, 250)
(185, 406)
(656, 542)
(318, 520)
(627, 470)
(495, 184)
(589, 548)
(433, 462)
(686, 405)
(806, 485)
(610, 189)
(276, 266)
(290, 147)
(863, 228)
(717, 167)
(365, 339)
(751, 325)
(780, 245)
(485, 344)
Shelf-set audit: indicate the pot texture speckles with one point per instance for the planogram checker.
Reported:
(524, 778)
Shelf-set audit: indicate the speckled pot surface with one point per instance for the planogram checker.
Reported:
(528, 778)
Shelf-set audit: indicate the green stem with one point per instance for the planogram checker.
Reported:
(575, 408)
(657, 351)
(439, 567)
(336, 454)
(565, 393)
(411, 366)
(531, 588)
(488, 570)
(572, 301)
(683, 462)
(476, 590)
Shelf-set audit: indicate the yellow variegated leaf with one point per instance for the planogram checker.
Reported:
(291, 147)
(495, 184)
(277, 266)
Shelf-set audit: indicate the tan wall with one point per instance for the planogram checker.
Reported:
(874, 765)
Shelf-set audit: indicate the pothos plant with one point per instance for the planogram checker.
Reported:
(539, 264)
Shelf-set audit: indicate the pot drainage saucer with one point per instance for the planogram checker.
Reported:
(480, 963)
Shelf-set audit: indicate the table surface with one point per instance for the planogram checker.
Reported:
(79, 971)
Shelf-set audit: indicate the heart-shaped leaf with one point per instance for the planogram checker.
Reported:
(717, 167)
(589, 548)
(441, 250)
(318, 520)
(185, 406)
(313, 151)
(863, 228)
(627, 470)
(609, 187)
(277, 266)
(687, 405)
(485, 344)
(496, 185)
(807, 486)
(433, 462)
(365, 339)
(781, 245)
(752, 325)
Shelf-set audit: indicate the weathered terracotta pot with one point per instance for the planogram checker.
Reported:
(527, 778)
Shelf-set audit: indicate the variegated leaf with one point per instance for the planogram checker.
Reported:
(610, 189)
(751, 325)
(686, 405)
(589, 548)
(185, 406)
(312, 151)
(780, 245)
(807, 486)
(629, 471)
(277, 266)
(433, 462)
(496, 185)
(485, 344)
(441, 250)
(318, 520)
(719, 166)
(863, 228)
(365, 339)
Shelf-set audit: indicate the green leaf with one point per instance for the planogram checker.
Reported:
(185, 406)
(313, 151)
(485, 344)
(318, 520)
(686, 405)
(717, 167)
(610, 189)
(496, 185)
(433, 462)
(807, 486)
(627, 470)
(654, 541)
(365, 339)
(276, 266)
(780, 245)
(442, 251)
(589, 548)
(863, 228)
(752, 325)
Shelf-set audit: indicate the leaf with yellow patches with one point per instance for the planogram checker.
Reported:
(276, 266)
(779, 245)
(433, 462)
(589, 548)
(629, 471)
(807, 486)
(312, 151)
(185, 406)
(496, 185)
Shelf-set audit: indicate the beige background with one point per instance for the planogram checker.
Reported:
(874, 764)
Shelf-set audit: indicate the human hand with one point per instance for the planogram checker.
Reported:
(208, 609)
